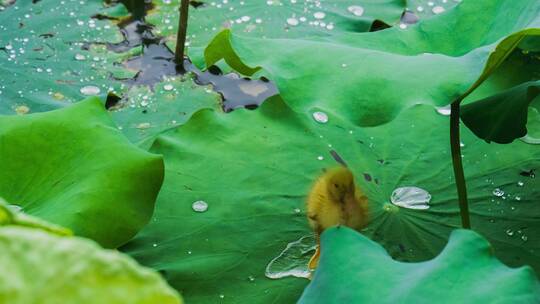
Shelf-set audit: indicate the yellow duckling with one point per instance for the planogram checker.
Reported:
(335, 200)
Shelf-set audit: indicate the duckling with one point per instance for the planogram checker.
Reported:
(334, 200)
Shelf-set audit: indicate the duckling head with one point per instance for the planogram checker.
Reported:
(340, 184)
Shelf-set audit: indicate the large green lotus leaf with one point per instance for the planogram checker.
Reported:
(435, 61)
(43, 67)
(73, 168)
(272, 19)
(39, 267)
(502, 117)
(42, 62)
(354, 269)
(254, 168)
(148, 112)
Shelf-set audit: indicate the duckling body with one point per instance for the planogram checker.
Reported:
(335, 200)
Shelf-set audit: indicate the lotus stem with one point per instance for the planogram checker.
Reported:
(182, 30)
(455, 145)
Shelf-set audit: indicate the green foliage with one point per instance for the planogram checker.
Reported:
(271, 19)
(8, 217)
(435, 61)
(72, 167)
(59, 50)
(39, 43)
(502, 117)
(254, 168)
(354, 269)
(39, 267)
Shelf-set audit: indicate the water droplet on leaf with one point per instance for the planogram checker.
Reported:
(438, 10)
(90, 90)
(320, 117)
(356, 10)
(411, 198)
(498, 192)
(293, 260)
(199, 206)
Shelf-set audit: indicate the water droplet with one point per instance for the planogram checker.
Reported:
(498, 192)
(411, 198)
(320, 117)
(293, 260)
(251, 278)
(356, 10)
(222, 296)
(446, 110)
(520, 184)
(90, 90)
(524, 238)
(402, 26)
(292, 21)
(80, 57)
(517, 198)
(297, 210)
(420, 9)
(168, 87)
(199, 206)
(319, 15)
(143, 125)
(509, 232)
(438, 9)
(320, 157)
(154, 245)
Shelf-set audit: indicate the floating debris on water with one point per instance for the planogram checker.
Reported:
(199, 206)
(509, 232)
(411, 198)
(21, 110)
(520, 184)
(293, 260)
